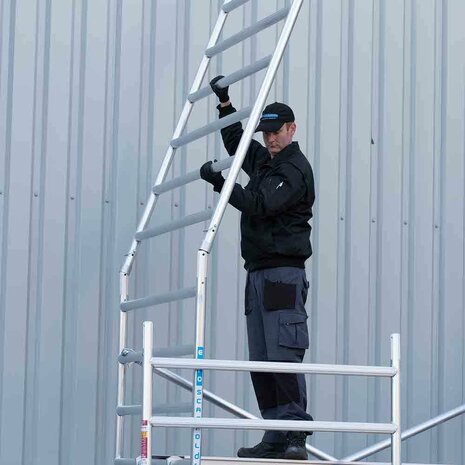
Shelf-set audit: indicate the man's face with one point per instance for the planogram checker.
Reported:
(277, 141)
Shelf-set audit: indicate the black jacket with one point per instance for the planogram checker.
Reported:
(276, 204)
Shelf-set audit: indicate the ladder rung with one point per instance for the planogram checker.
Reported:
(158, 409)
(248, 32)
(173, 225)
(189, 177)
(212, 127)
(131, 356)
(158, 299)
(176, 182)
(232, 78)
(232, 5)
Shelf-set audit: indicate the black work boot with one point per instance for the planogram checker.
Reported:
(296, 447)
(263, 450)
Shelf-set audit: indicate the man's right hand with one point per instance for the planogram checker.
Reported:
(221, 92)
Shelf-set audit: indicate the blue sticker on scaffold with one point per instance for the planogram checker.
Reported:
(199, 373)
(197, 438)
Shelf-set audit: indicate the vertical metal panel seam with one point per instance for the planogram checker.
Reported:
(29, 323)
(64, 434)
(438, 140)
(380, 204)
(72, 276)
(140, 276)
(39, 155)
(411, 206)
(348, 218)
(1, 41)
(463, 286)
(341, 300)
(4, 258)
(80, 142)
(442, 196)
(404, 250)
(316, 169)
(109, 309)
(376, 169)
(436, 245)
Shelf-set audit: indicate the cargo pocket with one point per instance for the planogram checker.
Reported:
(293, 331)
(279, 296)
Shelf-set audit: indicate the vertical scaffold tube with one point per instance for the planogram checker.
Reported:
(146, 427)
(202, 264)
(396, 437)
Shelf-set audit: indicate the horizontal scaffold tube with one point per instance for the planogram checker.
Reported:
(287, 425)
(131, 356)
(178, 407)
(274, 367)
(227, 406)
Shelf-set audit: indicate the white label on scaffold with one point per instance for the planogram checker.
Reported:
(197, 410)
(144, 434)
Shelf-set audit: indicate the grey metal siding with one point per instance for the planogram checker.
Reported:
(90, 92)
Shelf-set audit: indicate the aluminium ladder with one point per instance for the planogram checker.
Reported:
(289, 14)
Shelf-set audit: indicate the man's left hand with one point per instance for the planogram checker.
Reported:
(212, 177)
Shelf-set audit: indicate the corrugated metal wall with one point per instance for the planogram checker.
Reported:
(90, 92)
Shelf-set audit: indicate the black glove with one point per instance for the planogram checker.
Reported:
(221, 92)
(214, 178)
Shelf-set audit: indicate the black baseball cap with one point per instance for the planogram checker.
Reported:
(274, 116)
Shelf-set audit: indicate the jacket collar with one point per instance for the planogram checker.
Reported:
(285, 153)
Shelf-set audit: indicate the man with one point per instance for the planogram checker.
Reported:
(276, 206)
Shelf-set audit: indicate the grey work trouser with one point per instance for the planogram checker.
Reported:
(277, 331)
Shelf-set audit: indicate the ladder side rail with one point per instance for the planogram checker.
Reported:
(128, 263)
(202, 256)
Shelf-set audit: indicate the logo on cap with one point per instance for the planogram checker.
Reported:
(269, 116)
